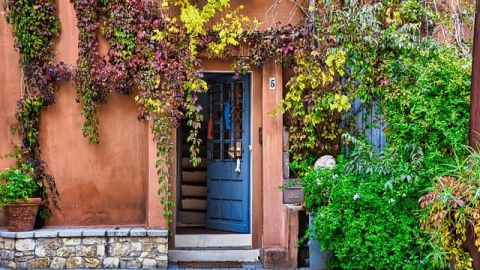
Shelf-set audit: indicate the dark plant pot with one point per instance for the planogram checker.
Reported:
(21, 215)
(469, 245)
(472, 249)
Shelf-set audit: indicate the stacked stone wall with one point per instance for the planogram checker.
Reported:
(84, 248)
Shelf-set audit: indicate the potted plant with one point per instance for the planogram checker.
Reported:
(17, 196)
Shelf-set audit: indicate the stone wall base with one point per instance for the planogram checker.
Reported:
(84, 248)
(276, 258)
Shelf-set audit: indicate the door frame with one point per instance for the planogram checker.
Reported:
(225, 239)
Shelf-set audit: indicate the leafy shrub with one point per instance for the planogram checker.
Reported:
(365, 210)
(452, 209)
(428, 104)
(17, 184)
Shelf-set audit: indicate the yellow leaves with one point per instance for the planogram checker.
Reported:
(196, 85)
(157, 35)
(152, 105)
(256, 23)
(388, 12)
(196, 20)
(393, 16)
(229, 31)
(477, 243)
(193, 20)
(340, 103)
(397, 17)
(335, 61)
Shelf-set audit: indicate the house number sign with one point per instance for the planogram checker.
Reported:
(272, 83)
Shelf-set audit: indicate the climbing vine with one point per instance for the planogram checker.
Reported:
(151, 51)
(343, 51)
(35, 27)
(314, 99)
(399, 69)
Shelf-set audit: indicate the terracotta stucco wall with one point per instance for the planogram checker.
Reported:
(109, 184)
(10, 85)
(98, 184)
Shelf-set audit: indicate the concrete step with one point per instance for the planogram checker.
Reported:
(213, 241)
(223, 255)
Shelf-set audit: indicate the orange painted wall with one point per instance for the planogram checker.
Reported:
(10, 86)
(98, 184)
(112, 183)
(101, 184)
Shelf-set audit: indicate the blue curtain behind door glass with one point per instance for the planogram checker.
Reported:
(226, 115)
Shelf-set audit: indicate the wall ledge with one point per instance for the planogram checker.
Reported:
(73, 232)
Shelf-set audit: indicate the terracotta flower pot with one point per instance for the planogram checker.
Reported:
(21, 215)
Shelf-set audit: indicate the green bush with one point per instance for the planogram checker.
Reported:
(428, 104)
(17, 184)
(365, 210)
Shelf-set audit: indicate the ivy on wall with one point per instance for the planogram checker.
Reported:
(420, 85)
(152, 52)
(35, 27)
(344, 50)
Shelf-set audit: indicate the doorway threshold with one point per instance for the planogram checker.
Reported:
(224, 255)
(208, 241)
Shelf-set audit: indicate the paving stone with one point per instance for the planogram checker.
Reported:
(46, 233)
(100, 250)
(39, 263)
(58, 263)
(40, 251)
(54, 243)
(149, 263)
(72, 241)
(25, 244)
(136, 246)
(9, 244)
(25, 234)
(94, 232)
(92, 263)
(138, 232)
(74, 263)
(7, 234)
(118, 232)
(111, 262)
(8, 254)
(66, 252)
(87, 251)
(159, 233)
(70, 232)
(93, 240)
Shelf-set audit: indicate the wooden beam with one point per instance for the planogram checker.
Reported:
(475, 94)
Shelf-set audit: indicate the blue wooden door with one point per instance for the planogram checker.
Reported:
(228, 168)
